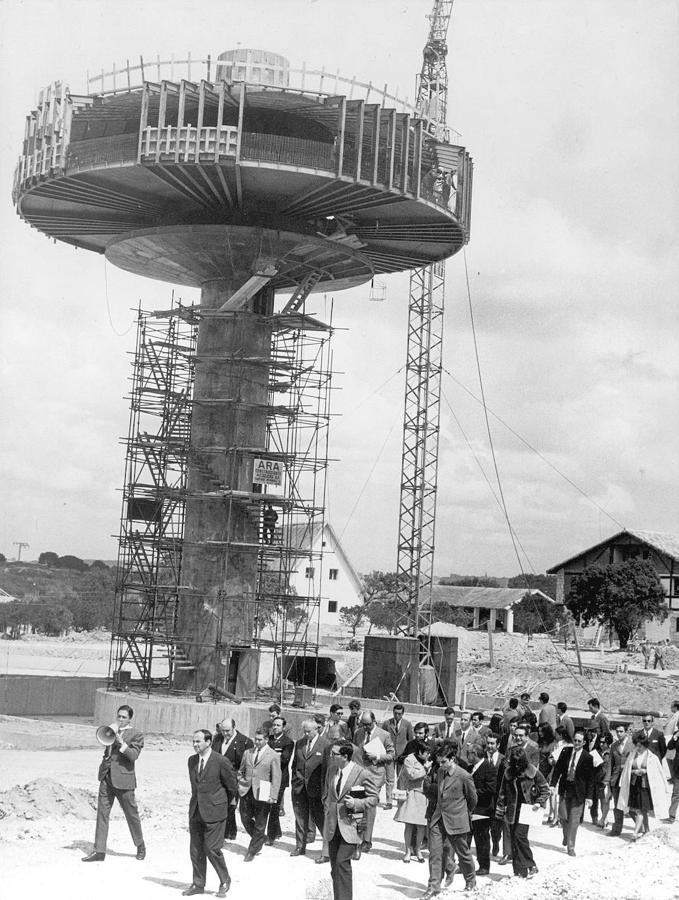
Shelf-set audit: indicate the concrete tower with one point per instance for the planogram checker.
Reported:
(239, 179)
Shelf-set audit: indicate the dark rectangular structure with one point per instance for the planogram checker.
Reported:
(390, 666)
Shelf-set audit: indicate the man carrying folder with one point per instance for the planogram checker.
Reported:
(259, 780)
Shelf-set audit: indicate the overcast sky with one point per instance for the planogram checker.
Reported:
(570, 110)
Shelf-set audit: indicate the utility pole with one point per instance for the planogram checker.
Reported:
(20, 545)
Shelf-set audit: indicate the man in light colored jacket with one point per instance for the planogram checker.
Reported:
(259, 780)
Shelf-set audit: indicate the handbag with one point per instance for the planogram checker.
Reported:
(399, 794)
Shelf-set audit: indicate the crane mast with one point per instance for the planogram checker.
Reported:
(419, 460)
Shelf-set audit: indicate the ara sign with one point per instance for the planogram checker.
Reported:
(267, 471)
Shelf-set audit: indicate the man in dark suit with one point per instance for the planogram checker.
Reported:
(283, 747)
(655, 737)
(484, 775)
(309, 764)
(497, 825)
(213, 783)
(620, 750)
(374, 762)
(451, 821)
(467, 737)
(259, 781)
(445, 730)
(421, 735)
(230, 743)
(598, 720)
(349, 790)
(529, 747)
(117, 781)
(572, 776)
(401, 732)
(564, 719)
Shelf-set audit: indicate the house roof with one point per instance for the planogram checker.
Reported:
(304, 537)
(663, 542)
(481, 597)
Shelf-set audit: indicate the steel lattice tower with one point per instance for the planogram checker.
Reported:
(419, 461)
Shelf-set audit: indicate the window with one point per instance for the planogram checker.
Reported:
(309, 572)
(332, 606)
(332, 574)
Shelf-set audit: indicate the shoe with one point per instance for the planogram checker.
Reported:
(322, 859)
(141, 851)
(366, 846)
(532, 872)
(571, 851)
(249, 857)
(495, 852)
(470, 886)
(449, 879)
(420, 859)
(406, 858)
(388, 806)
(429, 893)
(231, 836)
(94, 856)
(505, 860)
(614, 833)
(564, 843)
(270, 842)
(223, 889)
(194, 889)
(298, 852)
(483, 871)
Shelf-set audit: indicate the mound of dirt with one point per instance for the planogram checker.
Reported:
(45, 798)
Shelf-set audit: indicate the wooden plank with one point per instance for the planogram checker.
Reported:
(143, 118)
(376, 144)
(241, 114)
(199, 123)
(341, 124)
(405, 153)
(220, 117)
(392, 148)
(359, 138)
(180, 118)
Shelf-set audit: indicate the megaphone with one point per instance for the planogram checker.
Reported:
(106, 735)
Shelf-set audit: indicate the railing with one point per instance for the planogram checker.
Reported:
(288, 151)
(188, 143)
(314, 81)
(89, 154)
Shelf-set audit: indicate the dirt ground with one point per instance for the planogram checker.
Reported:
(47, 828)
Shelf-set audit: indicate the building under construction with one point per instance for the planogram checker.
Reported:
(264, 187)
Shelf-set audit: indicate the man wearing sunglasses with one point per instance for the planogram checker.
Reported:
(655, 737)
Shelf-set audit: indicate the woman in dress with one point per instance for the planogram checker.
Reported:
(412, 807)
(643, 787)
(521, 784)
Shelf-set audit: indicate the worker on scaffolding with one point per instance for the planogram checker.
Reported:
(269, 519)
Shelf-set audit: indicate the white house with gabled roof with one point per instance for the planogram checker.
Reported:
(332, 577)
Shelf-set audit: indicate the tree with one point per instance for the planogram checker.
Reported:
(100, 564)
(534, 614)
(50, 618)
(469, 581)
(622, 596)
(48, 559)
(382, 605)
(71, 562)
(352, 617)
(454, 615)
(3, 558)
(544, 583)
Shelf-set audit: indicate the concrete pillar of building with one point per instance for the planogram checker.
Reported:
(509, 621)
(493, 619)
(216, 608)
(477, 618)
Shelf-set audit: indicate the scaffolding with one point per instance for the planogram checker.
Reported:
(289, 475)
(154, 499)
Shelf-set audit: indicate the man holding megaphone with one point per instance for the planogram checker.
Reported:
(117, 781)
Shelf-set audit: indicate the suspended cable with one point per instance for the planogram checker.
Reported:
(108, 307)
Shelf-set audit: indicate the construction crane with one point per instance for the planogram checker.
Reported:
(419, 461)
(21, 545)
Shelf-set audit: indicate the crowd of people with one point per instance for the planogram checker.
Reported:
(466, 781)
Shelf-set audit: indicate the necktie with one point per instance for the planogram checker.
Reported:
(338, 787)
(201, 766)
(571, 768)
(256, 756)
(308, 747)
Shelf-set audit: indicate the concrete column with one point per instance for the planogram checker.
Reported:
(493, 619)
(216, 608)
(477, 617)
(509, 621)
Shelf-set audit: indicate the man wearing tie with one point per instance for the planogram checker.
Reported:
(446, 729)
(620, 750)
(573, 776)
(375, 762)
(401, 732)
(309, 765)
(655, 737)
(283, 747)
(340, 832)
(230, 743)
(259, 780)
(213, 783)
(117, 781)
